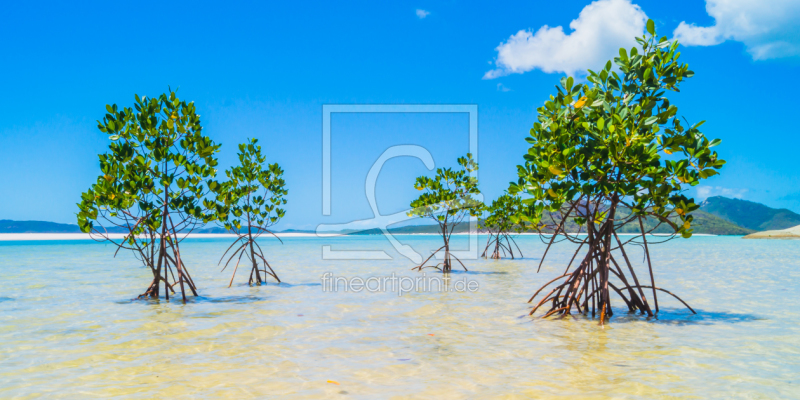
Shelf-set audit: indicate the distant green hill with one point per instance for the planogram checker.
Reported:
(750, 215)
(703, 223)
(717, 216)
(410, 229)
(9, 226)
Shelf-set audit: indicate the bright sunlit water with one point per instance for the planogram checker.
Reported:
(68, 327)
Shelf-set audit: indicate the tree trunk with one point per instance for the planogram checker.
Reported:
(162, 248)
(447, 266)
(252, 253)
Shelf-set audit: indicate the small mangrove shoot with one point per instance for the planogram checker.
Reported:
(448, 200)
(501, 224)
(253, 195)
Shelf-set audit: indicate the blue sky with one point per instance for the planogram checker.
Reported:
(265, 70)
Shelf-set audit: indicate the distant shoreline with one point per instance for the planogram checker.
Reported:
(86, 236)
(791, 233)
(21, 237)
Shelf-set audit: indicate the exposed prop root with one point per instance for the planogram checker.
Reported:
(671, 294)
(249, 249)
(447, 264)
(499, 249)
(168, 264)
(588, 287)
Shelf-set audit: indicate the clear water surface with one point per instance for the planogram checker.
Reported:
(68, 327)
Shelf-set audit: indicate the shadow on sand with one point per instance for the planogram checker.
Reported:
(460, 272)
(192, 299)
(291, 285)
(667, 315)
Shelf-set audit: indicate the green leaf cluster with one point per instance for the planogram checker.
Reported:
(448, 196)
(254, 193)
(159, 165)
(618, 137)
(504, 214)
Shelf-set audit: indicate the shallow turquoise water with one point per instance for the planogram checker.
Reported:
(68, 328)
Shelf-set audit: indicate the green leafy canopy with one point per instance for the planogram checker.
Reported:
(504, 214)
(448, 196)
(618, 137)
(159, 164)
(253, 193)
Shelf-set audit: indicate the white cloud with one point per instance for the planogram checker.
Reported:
(502, 88)
(422, 13)
(600, 30)
(704, 192)
(768, 28)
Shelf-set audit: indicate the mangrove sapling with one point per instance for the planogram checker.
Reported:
(595, 159)
(501, 223)
(448, 200)
(253, 196)
(154, 185)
